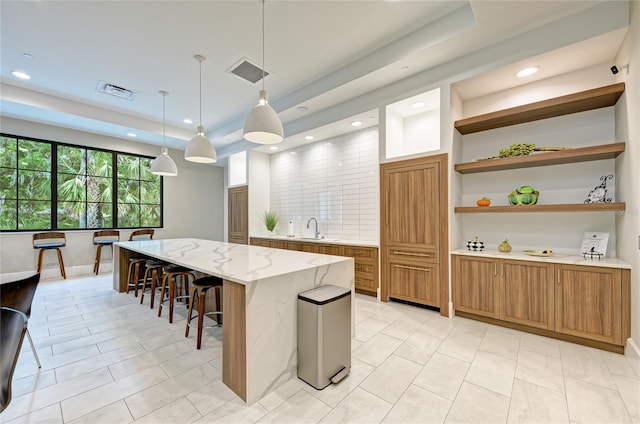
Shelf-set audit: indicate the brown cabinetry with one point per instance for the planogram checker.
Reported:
(583, 304)
(588, 303)
(238, 224)
(365, 258)
(413, 221)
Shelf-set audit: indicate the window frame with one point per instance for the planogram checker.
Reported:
(54, 187)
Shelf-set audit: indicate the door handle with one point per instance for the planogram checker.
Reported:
(412, 268)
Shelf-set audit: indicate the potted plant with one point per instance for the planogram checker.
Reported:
(270, 220)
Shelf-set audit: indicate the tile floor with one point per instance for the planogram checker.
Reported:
(108, 359)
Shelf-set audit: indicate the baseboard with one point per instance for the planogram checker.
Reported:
(53, 273)
(632, 353)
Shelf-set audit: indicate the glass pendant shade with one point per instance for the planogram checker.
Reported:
(163, 165)
(263, 126)
(200, 149)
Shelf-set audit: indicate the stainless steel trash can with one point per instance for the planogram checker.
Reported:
(324, 335)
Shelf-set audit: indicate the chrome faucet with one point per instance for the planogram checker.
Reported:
(317, 233)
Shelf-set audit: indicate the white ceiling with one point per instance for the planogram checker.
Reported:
(320, 54)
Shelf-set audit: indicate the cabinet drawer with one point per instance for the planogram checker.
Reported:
(365, 267)
(416, 283)
(360, 252)
(329, 249)
(260, 242)
(277, 244)
(413, 254)
(293, 245)
(309, 247)
(365, 282)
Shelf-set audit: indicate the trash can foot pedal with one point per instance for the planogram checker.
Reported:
(337, 377)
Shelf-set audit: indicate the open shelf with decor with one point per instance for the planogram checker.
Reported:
(574, 207)
(581, 154)
(557, 106)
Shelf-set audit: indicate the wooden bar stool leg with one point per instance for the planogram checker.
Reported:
(61, 264)
(155, 279)
(218, 306)
(40, 259)
(96, 265)
(201, 301)
(192, 299)
(172, 295)
(164, 280)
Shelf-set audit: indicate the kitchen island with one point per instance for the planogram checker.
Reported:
(259, 348)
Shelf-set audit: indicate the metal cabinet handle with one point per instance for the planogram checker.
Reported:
(412, 267)
(423, 255)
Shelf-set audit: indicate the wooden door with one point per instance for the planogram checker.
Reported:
(527, 293)
(414, 231)
(588, 302)
(238, 224)
(475, 285)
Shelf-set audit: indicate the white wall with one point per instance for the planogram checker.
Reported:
(335, 181)
(259, 188)
(628, 130)
(193, 204)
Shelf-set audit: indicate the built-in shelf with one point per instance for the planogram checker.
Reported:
(575, 207)
(558, 106)
(582, 154)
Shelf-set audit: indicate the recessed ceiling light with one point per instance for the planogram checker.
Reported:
(404, 68)
(293, 153)
(309, 137)
(527, 71)
(328, 144)
(273, 148)
(130, 134)
(302, 108)
(21, 75)
(356, 123)
(187, 121)
(28, 55)
(418, 104)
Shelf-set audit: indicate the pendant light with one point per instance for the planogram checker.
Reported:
(263, 126)
(200, 148)
(163, 165)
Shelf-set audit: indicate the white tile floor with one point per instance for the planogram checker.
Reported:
(108, 359)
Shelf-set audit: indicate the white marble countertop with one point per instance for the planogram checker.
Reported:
(556, 258)
(236, 262)
(321, 240)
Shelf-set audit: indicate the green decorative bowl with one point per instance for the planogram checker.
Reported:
(523, 196)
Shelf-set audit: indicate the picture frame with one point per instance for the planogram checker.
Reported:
(594, 245)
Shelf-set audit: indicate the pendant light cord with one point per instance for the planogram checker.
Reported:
(263, 71)
(200, 60)
(164, 121)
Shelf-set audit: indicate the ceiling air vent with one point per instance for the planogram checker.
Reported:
(247, 70)
(116, 90)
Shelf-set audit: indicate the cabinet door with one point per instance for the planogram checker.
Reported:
(527, 293)
(238, 215)
(588, 302)
(415, 283)
(475, 285)
(411, 209)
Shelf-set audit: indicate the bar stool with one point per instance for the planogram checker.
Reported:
(153, 275)
(169, 278)
(50, 240)
(135, 263)
(101, 239)
(145, 234)
(199, 289)
(133, 274)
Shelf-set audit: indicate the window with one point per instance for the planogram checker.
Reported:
(25, 184)
(138, 193)
(48, 185)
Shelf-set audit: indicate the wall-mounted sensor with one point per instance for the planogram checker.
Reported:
(614, 69)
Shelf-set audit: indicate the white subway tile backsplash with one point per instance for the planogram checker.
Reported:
(336, 181)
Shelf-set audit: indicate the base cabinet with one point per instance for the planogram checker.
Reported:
(572, 302)
(365, 259)
(418, 283)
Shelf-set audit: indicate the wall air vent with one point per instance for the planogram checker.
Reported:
(115, 90)
(247, 70)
